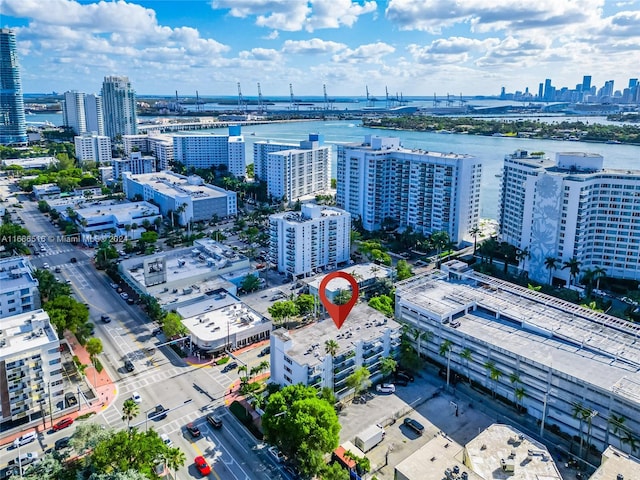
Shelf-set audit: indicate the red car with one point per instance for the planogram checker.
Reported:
(202, 466)
(64, 423)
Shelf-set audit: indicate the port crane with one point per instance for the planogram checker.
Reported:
(261, 106)
(242, 105)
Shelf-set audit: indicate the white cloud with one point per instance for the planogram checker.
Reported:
(262, 54)
(370, 53)
(334, 13)
(450, 50)
(272, 36)
(314, 46)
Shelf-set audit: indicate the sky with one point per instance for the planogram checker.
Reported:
(411, 47)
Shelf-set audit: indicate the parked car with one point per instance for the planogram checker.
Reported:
(405, 376)
(214, 421)
(61, 443)
(156, 331)
(193, 429)
(128, 366)
(64, 423)
(264, 351)
(202, 465)
(386, 388)
(277, 454)
(25, 439)
(414, 425)
(402, 381)
(124, 295)
(114, 285)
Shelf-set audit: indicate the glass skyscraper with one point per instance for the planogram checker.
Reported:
(13, 126)
(119, 107)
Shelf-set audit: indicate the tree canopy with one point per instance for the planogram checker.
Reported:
(66, 314)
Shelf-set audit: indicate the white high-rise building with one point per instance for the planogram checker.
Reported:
(208, 150)
(428, 191)
(293, 171)
(92, 147)
(30, 366)
(136, 163)
(572, 207)
(18, 287)
(119, 107)
(157, 144)
(316, 237)
(82, 112)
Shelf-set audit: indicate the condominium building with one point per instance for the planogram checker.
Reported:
(209, 150)
(190, 198)
(571, 207)
(13, 125)
(293, 171)
(316, 237)
(429, 191)
(157, 144)
(30, 366)
(18, 287)
(135, 163)
(548, 356)
(300, 356)
(93, 148)
(119, 107)
(83, 113)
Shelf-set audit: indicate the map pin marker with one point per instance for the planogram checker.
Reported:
(338, 313)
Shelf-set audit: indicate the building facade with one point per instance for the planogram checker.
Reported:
(83, 113)
(293, 171)
(300, 356)
(189, 198)
(13, 125)
(18, 287)
(136, 164)
(572, 207)
(562, 356)
(427, 191)
(30, 366)
(317, 237)
(93, 148)
(209, 150)
(119, 107)
(157, 144)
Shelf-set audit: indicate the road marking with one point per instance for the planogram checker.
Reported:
(200, 454)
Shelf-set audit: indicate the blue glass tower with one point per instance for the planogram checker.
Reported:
(13, 125)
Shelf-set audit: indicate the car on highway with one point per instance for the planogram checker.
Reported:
(105, 318)
(214, 421)
(386, 388)
(64, 423)
(128, 366)
(135, 396)
(202, 465)
(193, 430)
(158, 413)
(414, 425)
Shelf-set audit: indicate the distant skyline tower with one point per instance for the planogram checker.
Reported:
(119, 107)
(586, 83)
(83, 112)
(13, 125)
(540, 91)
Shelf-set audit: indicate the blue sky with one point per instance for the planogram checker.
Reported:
(416, 47)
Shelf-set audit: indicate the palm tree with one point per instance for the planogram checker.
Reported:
(419, 335)
(519, 395)
(466, 354)
(331, 347)
(494, 374)
(243, 368)
(551, 264)
(581, 413)
(475, 231)
(175, 459)
(522, 255)
(630, 440)
(439, 240)
(445, 349)
(573, 264)
(263, 366)
(598, 272)
(617, 421)
(130, 410)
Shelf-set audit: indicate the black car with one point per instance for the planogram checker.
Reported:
(61, 443)
(156, 331)
(159, 413)
(409, 376)
(414, 425)
(128, 366)
(264, 351)
(401, 381)
(73, 260)
(403, 377)
(214, 421)
(230, 366)
(193, 430)
(105, 318)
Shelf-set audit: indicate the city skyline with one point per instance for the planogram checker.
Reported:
(413, 48)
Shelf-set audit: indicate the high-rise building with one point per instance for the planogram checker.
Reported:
(92, 147)
(83, 112)
(159, 145)
(18, 287)
(572, 207)
(208, 150)
(93, 114)
(586, 83)
(379, 180)
(119, 107)
(293, 171)
(13, 125)
(135, 163)
(316, 237)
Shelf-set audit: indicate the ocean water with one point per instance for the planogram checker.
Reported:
(491, 150)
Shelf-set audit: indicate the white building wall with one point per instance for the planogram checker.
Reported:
(93, 113)
(73, 112)
(206, 151)
(18, 287)
(90, 147)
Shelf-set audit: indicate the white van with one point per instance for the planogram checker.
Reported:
(24, 439)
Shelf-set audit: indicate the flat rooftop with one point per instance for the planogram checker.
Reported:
(363, 324)
(500, 444)
(119, 210)
(615, 462)
(593, 346)
(16, 273)
(25, 332)
(171, 184)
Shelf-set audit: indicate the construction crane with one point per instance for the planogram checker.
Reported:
(261, 107)
(436, 102)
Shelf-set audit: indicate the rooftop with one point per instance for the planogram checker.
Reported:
(614, 463)
(25, 331)
(122, 211)
(172, 184)
(16, 273)
(361, 272)
(501, 447)
(364, 324)
(593, 346)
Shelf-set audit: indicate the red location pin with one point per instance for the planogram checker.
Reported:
(338, 313)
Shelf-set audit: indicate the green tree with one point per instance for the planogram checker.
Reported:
(551, 264)
(303, 426)
(359, 380)
(105, 253)
(250, 283)
(445, 351)
(403, 270)
(384, 304)
(175, 459)
(94, 347)
(439, 240)
(130, 410)
(49, 287)
(172, 325)
(331, 347)
(388, 365)
(66, 314)
(282, 311)
(475, 231)
(573, 264)
(87, 435)
(50, 467)
(466, 354)
(334, 471)
(306, 303)
(342, 297)
(10, 238)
